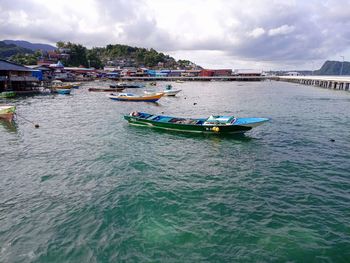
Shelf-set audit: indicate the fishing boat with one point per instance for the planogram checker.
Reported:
(127, 85)
(63, 91)
(7, 112)
(7, 94)
(212, 124)
(59, 87)
(106, 89)
(132, 97)
(169, 91)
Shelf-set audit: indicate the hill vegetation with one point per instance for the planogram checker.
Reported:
(9, 50)
(32, 46)
(334, 68)
(117, 54)
(76, 55)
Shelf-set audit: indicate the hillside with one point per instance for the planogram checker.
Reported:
(72, 54)
(8, 50)
(334, 68)
(31, 46)
(119, 56)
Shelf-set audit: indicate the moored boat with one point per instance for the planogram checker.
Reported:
(132, 97)
(7, 94)
(63, 91)
(212, 124)
(127, 85)
(106, 89)
(7, 112)
(169, 91)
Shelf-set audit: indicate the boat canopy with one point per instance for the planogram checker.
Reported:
(220, 120)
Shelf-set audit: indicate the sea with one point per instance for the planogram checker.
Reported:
(87, 187)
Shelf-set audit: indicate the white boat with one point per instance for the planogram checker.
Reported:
(169, 91)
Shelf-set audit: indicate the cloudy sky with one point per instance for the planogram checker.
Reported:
(260, 34)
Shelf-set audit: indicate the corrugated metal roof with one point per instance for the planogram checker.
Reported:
(10, 66)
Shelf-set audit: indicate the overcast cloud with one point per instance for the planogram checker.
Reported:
(265, 34)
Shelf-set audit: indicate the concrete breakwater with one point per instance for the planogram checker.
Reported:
(328, 82)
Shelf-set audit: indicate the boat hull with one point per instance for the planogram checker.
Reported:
(7, 94)
(171, 92)
(63, 91)
(7, 112)
(105, 89)
(151, 98)
(187, 127)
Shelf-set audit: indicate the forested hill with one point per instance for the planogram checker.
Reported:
(118, 55)
(334, 68)
(75, 55)
(29, 45)
(8, 50)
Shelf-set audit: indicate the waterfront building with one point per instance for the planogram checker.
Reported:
(16, 77)
(248, 72)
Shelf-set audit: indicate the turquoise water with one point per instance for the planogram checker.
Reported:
(87, 187)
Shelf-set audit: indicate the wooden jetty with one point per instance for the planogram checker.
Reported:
(194, 78)
(328, 82)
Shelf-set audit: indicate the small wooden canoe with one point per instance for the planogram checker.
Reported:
(7, 112)
(105, 89)
(132, 97)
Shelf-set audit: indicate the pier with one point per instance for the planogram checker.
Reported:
(328, 82)
(193, 78)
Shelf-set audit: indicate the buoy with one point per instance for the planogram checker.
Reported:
(216, 129)
(36, 126)
(332, 140)
(195, 103)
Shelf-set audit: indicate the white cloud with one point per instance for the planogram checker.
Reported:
(257, 32)
(209, 32)
(282, 30)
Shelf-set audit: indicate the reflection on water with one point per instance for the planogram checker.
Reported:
(9, 126)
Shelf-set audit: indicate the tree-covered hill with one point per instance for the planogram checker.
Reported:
(117, 55)
(76, 55)
(334, 68)
(8, 50)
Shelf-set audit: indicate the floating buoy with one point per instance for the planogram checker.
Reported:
(195, 103)
(332, 140)
(36, 126)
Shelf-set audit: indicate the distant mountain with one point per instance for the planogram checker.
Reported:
(8, 50)
(334, 68)
(31, 46)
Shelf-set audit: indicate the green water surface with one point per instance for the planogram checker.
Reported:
(87, 187)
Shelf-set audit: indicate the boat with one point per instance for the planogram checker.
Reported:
(106, 89)
(179, 81)
(127, 85)
(76, 85)
(63, 91)
(7, 112)
(7, 94)
(58, 84)
(169, 91)
(132, 97)
(212, 124)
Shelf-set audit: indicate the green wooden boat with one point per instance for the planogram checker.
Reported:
(7, 94)
(212, 124)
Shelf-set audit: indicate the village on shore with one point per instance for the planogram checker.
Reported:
(27, 79)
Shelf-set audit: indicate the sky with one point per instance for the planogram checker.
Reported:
(235, 34)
